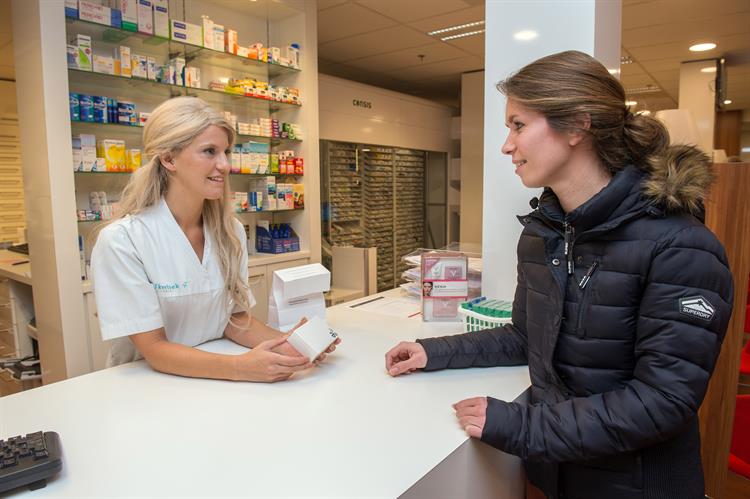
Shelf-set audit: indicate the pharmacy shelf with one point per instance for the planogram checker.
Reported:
(80, 77)
(233, 175)
(193, 53)
(94, 125)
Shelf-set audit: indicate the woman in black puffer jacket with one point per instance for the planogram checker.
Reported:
(622, 302)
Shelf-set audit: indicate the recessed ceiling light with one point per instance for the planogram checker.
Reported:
(461, 35)
(708, 69)
(626, 59)
(525, 35)
(702, 47)
(454, 28)
(727, 101)
(631, 103)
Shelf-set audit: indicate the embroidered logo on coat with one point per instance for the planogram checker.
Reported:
(697, 306)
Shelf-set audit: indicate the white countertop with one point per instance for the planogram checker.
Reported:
(345, 429)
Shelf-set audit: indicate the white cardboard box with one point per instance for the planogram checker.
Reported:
(284, 317)
(300, 281)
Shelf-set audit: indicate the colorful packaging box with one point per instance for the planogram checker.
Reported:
(207, 33)
(71, 8)
(218, 37)
(113, 152)
(299, 195)
(230, 41)
(128, 13)
(122, 61)
(145, 17)
(83, 43)
(161, 18)
(94, 12)
(104, 64)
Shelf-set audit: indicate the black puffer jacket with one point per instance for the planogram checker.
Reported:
(621, 335)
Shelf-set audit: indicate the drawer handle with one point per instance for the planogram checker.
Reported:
(256, 281)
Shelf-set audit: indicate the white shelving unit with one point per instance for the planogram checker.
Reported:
(64, 315)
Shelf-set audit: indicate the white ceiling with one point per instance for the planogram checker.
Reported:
(379, 42)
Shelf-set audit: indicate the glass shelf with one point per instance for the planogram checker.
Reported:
(225, 60)
(236, 212)
(139, 130)
(78, 76)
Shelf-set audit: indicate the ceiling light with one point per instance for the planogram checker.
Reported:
(709, 69)
(648, 89)
(702, 47)
(454, 28)
(461, 35)
(626, 59)
(631, 103)
(645, 112)
(727, 101)
(525, 35)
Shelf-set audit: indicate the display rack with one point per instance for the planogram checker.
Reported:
(147, 94)
(12, 211)
(375, 198)
(344, 181)
(409, 185)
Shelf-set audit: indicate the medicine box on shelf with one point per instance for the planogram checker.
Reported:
(265, 243)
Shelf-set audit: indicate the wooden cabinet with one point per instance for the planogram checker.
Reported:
(257, 283)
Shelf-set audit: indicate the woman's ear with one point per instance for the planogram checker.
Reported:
(583, 124)
(167, 161)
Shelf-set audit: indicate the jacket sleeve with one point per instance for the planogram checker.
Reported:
(675, 351)
(502, 346)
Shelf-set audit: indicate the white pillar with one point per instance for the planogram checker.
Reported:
(591, 26)
(44, 123)
(698, 96)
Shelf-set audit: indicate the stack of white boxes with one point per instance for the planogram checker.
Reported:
(296, 293)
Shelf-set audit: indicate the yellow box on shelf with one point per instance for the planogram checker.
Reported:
(113, 152)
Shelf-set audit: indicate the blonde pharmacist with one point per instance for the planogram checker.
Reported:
(170, 272)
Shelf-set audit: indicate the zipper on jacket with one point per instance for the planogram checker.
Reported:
(589, 273)
(569, 237)
(582, 306)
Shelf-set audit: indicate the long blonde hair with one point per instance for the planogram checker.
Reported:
(172, 126)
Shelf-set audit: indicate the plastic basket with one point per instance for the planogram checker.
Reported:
(474, 321)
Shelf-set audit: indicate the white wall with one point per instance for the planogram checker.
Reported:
(472, 156)
(591, 26)
(698, 97)
(393, 119)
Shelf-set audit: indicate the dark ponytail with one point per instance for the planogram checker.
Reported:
(568, 86)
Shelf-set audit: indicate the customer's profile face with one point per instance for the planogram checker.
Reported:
(426, 288)
(540, 153)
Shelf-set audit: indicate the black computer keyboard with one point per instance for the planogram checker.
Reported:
(29, 460)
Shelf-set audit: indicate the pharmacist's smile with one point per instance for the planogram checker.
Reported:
(218, 179)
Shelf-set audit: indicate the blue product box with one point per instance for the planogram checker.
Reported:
(116, 19)
(75, 107)
(86, 103)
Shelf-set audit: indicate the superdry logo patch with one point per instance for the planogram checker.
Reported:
(697, 306)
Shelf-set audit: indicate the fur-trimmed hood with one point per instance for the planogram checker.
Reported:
(679, 180)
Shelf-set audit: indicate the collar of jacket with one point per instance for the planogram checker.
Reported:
(621, 199)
